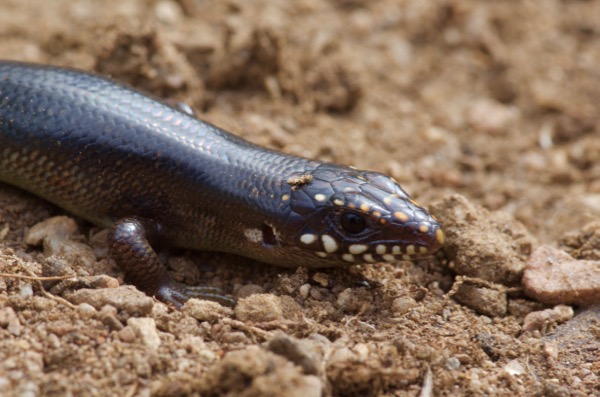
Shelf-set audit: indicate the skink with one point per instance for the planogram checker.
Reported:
(155, 174)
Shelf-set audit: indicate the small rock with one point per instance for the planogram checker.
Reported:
(256, 372)
(4, 231)
(28, 389)
(305, 290)
(168, 11)
(402, 305)
(102, 281)
(318, 293)
(203, 310)
(452, 364)
(490, 116)
(56, 226)
(108, 310)
(60, 328)
(125, 298)
(86, 310)
(520, 307)
(341, 355)
(514, 367)
(145, 329)
(55, 266)
(544, 319)
(98, 240)
(249, 289)
(7, 314)
(321, 278)
(10, 321)
(234, 338)
(26, 291)
(71, 251)
(492, 246)
(584, 243)
(486, 301)
(290, 308)
(111, 321)
(347, 301)
(259, 308)
(553, 277)
(127, 334)
(299, 352)
(15, 327)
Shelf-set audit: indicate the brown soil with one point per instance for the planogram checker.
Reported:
(495, 101)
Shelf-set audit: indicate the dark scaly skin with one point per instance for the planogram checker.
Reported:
(152, 173)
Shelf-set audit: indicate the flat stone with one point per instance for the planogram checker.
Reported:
(125, 299)
(554, 277)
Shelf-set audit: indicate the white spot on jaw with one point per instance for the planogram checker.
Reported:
(410, 249)
(357, 248)
(389, 258)
(329, 243)
(308, 238)
(369, 258)
(321, 254)
(396, 250)
(338, 202)
(254, 235)
(320, 197)
(380, 249)
(348, 257)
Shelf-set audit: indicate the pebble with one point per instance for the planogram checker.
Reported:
(299, 352)
(26, 291)
(15, 327)
(321, 278)
(249, 289)
(486, 301)
(145, 330)
(102, 281)
(125, 299)
(543, 319)
(10, 321)
(60, 328)
(234, 338)
(203, 310)
(492, 246)
(259, 308)
(127, 334)
(554, 277)
(402, 305)
(51, 227)
(169, 12)
(70, 251)
(514, 367)
(111, 321)
(263, 373)
(490, 117)
(452, 364)
(305, 290)
(347, 301)
(7, 314)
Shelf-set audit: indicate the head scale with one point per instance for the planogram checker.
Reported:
(344, 215)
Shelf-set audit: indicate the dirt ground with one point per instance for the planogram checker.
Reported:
(485, 111)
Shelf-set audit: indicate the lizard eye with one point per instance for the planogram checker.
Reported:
(353, 223)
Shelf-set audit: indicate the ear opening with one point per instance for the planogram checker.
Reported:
(269, 237)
